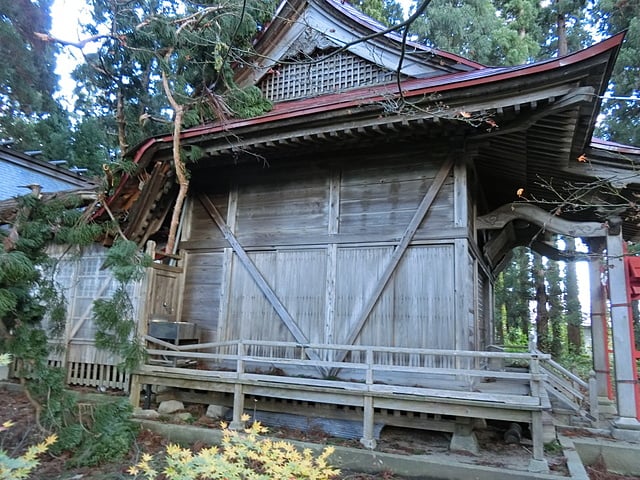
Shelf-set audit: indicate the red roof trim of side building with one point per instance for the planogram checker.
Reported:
(602, 144)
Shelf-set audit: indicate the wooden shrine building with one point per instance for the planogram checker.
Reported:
(340, 250)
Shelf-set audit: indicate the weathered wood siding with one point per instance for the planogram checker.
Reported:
(202, 292)
(82, 278)
(321, 235)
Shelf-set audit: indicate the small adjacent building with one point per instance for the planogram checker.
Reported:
(19, 170)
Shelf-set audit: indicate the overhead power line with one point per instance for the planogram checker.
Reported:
(626, 99)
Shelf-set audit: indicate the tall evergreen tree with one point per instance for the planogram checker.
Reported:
(556, 308)
(484, 31)
(29, 114)
(168, 64)
(566, 31)
(572, 303)
(500, 309)
(622, 120)
(515, 297)
(387, 12)
(542, 313)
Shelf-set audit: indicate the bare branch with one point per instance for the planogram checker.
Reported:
(45, 37)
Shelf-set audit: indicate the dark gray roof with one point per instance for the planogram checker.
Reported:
(18, 170)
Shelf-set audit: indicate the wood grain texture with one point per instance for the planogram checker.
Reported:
(320, 234)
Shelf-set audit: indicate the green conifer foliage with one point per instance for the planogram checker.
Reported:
(114, 317)
(387, 12)
(514, 296)
(497, 33)
(572, 303)
(556, 309)
(622, 120)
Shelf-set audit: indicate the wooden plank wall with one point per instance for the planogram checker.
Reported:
(82, 278)
(320, 233)
(202, 287)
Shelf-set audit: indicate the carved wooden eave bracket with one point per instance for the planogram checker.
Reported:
(546, 220)
(519, 224)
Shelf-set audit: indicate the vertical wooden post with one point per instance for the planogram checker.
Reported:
(68, 329)
(624, 363)
(460, 190)
(238, 391)
(599, 327)
(134, 391)
(224, 325)
(143, 321)
(538, 462)
(368, 439)
(463, 313)
(333, 227)
(462, 284)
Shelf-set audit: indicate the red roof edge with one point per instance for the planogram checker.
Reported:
(142, 149)
(602, 144)
(356, 97)
(411, 88)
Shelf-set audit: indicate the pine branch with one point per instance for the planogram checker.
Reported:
(9, 208)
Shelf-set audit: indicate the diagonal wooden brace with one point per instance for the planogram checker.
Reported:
(360, 318)
(255, 274)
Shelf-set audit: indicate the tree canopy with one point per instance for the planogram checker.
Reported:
(30, 117)
(622, 116)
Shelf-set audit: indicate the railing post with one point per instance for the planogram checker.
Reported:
(238, 391)
(368, 439)
(538, 463)
(534, 371)
(369, 362)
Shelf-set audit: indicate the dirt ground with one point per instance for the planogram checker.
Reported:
(14, 406)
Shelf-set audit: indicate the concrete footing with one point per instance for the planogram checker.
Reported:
(538, 466)
(368, 443)
(627, 429)
(464, 438)
(607, 408)
(618, 456)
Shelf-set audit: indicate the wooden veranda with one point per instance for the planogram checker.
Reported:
(428, 389)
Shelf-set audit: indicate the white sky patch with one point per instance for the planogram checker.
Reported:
(406, 7)
(66, 16)
(582, 274)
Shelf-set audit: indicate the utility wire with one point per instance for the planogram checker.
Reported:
(421, 8)
(626, 99)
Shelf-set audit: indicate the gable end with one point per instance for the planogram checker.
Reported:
(321, 73)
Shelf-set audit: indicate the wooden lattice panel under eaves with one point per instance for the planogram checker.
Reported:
(324, 74)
